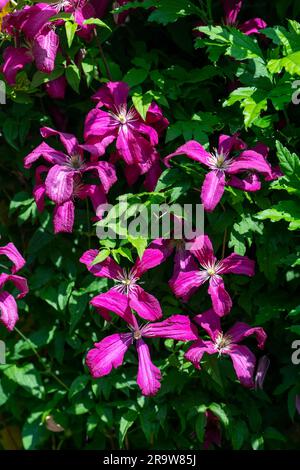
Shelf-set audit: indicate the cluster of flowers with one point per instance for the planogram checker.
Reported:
(66, 175)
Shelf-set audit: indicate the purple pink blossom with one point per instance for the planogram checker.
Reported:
(8, 306)
(227, 344)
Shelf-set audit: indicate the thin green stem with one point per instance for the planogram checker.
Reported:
(108, 72)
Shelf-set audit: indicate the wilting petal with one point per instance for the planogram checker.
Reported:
(250, 160)
(191, 149)
(221, 300)
(261, 371)
(107, 268)
(56, 89)
(116, 302)
(113, 95)
(252, 26)
(145, 304)
(108, 354)
(212, 189)
(203, 250)
(241, 330)
(237, 264)
(261, 148)
(63, 217)
(11, 252)
(15, 59)
(177, 327)
(48, 153)
(229, 143)
(244, 363)
(195, 352)
(210, 322)
(19, 281)
(251, 182)
(59, 184)
(69, 141)
(186, 283)
(44, 50)
(149, 376)
(8, 310)
(106, 173)
(156, 253)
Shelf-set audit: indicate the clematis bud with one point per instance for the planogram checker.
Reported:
(262, 369)
(51, 425)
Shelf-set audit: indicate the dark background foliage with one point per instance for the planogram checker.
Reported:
(46, 375)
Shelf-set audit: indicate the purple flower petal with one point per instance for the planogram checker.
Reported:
(176, 327)
(203, 250)
(250, 182)
(134, 148)
(191, 149)
(212, 189)
(39, 190)
(142, 128)
(229, 143)
(69, 141)
(15, 59)
(237, 264)
(195, 352)
(244, 364)
(221, 300)
(56, 89)
(156, 253)
(113, 95)
(145, 304)
(44, 50)
(210, 322)
(116, 302)
(63, 217)
(107, 354)
(8, 310)
(48, 153)
(19, 281)
(107, 268)
(186, 283)
(250, 160)
(59, 184)
(100, 124)
(106, 173)
(149, 376)
(252, 26)
(11, 252)
(241, 330)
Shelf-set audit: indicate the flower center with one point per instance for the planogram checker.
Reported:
(126, 282)
(211, 271)
(122, 118)
(219, 161)
(75, 161)
(222, 343)
(137, 334)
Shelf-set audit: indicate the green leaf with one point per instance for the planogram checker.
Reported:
(291, 63)
(27, 377)
(139, 243)
(101, 256)
(289, 162)
(71, 29)
(97, 22)
(78, 385)
(126, 422)
(78, 302)
(73, 77)
(142, 103)
(135, 76)
(200, 426)
(285, 210)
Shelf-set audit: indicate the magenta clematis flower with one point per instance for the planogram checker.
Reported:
(227, 344)
(211, 271)
(64, 180)
(232, 9)
(126, 285)
(109, 353)
(3, 4)
(41, 41)
(135, 138)
(8, 306)
(221, 165)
